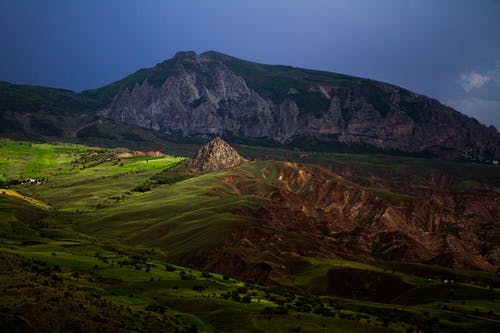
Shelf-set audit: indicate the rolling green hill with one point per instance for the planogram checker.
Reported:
(82, 248)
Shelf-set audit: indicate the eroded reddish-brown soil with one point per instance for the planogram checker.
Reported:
(313, 212)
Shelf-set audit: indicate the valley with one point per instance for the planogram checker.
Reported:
(112, 239)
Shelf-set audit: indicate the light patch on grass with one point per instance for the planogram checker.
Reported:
(27, 199)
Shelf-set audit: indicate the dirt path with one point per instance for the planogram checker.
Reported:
(75, 132)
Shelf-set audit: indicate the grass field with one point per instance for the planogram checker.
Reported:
(20, 160)
(81, 250)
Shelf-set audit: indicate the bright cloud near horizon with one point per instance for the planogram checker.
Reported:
(473, 80)
(447, 49)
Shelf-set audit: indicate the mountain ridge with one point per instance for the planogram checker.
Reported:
(214, 94)
(217, 94)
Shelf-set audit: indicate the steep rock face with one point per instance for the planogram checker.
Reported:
(216, 94)
(215, 155)
(201, 96)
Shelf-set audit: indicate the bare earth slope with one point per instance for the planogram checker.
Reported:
(312, 212)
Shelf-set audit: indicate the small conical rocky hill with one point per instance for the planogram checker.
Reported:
(215, 155)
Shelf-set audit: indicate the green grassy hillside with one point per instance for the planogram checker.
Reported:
(82, 249)
(20, 160)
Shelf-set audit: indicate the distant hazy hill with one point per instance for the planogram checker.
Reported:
(213, 94)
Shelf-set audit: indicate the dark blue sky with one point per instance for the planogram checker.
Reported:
(445, 49)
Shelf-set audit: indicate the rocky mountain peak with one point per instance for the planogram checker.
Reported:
(185, 55)
(215, 155)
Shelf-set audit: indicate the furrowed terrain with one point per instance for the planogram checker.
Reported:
(118, 240)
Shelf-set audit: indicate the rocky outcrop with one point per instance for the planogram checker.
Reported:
(215, 155)
(313, 212)
(215, 94)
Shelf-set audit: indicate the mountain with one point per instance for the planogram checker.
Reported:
(201, 96)
(215, 94)
(300, 240)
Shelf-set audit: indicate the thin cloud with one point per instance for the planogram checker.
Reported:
(473, 80)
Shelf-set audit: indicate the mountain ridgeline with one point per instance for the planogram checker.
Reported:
(217, 94)
(213, 94)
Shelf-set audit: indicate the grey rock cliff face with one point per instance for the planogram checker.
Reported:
(215, 155)
(201, 97)
(205, 94)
